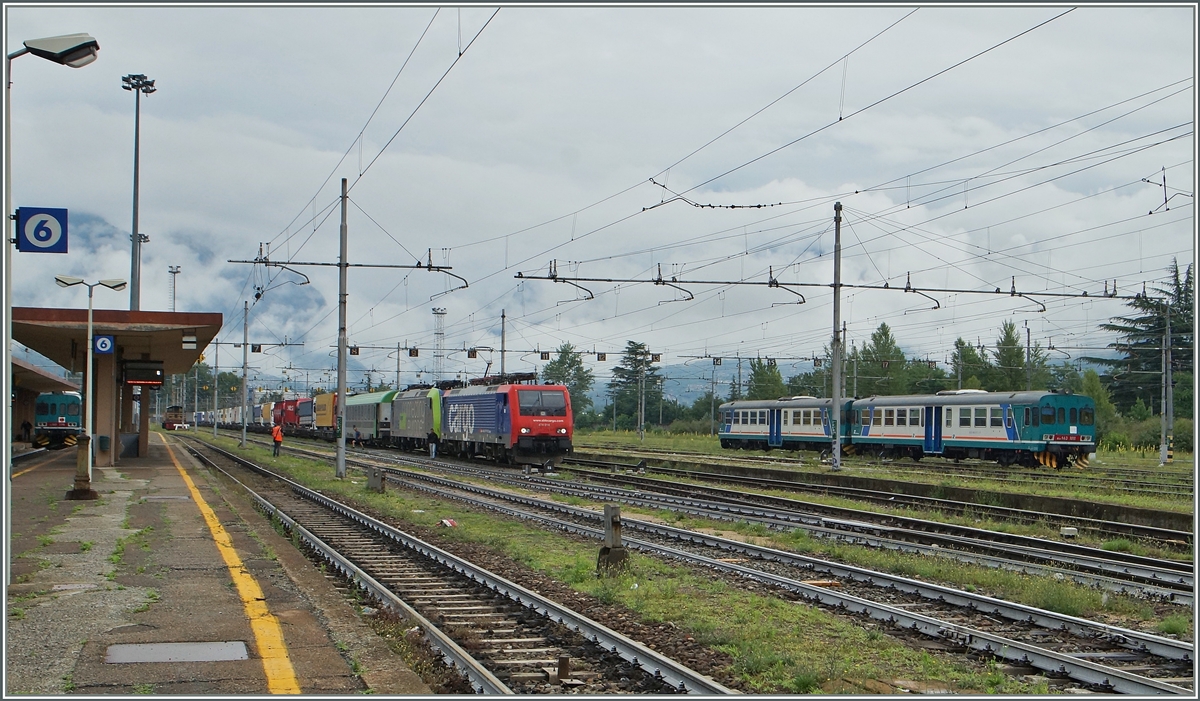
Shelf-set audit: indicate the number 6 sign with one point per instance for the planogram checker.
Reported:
(41, 230)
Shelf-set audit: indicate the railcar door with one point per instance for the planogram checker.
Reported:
(774, 428)
(933, 430)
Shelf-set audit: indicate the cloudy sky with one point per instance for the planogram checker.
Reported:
(971, 148)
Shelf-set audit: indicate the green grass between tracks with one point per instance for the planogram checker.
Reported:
(778, 646)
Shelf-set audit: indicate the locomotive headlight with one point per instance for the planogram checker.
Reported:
(524, 430)
(562, 430)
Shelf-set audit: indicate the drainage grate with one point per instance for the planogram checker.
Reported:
(176, 652)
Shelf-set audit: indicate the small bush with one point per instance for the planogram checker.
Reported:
(1175, 624)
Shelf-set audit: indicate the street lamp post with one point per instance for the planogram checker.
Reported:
(89, 381)
(74, 51)
(139, 84)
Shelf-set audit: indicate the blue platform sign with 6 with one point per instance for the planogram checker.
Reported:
(41, 230)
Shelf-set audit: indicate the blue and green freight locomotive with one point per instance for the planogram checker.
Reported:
(1029, 428)
(57, 419)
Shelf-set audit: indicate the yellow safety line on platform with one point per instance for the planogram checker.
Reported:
(34, 467)
(281, 677)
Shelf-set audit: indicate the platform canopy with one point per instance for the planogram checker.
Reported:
(31, 377)
(61, 334)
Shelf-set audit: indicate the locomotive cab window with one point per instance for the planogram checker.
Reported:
(1074, 415)
(1086, 416)
(535, 402)
(42, 408)
(72, 410)
(1062, 415)
(1047, 415)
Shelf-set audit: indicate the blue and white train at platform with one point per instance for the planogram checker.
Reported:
(1029, 428)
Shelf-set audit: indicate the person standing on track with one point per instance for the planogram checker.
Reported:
(277, 436)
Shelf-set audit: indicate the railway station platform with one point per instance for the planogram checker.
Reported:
(172, 583)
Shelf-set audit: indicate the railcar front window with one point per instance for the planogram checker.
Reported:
(1087, 417)
(72, 410)
(42, 408)
(1074, 415)
(542, 402)
(1062, 415)
(1047, 415)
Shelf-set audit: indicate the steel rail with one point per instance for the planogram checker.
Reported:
(1171, 576)
(915, 523)
(685, 679)
(1079, 669)
(483, 680)
(1135, 640)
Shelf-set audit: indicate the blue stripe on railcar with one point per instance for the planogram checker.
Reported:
(474, 417)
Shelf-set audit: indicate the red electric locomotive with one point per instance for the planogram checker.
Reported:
(529, 424)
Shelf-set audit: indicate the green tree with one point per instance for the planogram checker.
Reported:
(881, 365)
(1009, 357)
(568, 369)
(1139, 411)
(971, 364)
(765, 381)
(1184, 391)
(1137, 372)
(626, 385)
(1106, 413)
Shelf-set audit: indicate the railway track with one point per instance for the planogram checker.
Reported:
(1169, 537)
(1129, 661)
(505, 638)
(1044, 640)
(1169, 483)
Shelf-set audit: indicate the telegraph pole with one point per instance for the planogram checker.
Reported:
(1164, 453)
(340, 469)
(245, 366)
(1028, 359)
(836, 348)
(216, 381)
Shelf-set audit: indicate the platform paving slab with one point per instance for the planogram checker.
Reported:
(170, 585)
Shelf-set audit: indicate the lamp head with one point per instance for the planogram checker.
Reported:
(67, 280)
(74, 50)
(115, 284)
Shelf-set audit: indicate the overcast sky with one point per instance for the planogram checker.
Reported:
(968, 146)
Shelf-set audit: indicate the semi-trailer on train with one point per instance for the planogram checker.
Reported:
(1029, 428)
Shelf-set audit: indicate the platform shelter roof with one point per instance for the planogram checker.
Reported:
(31, 377)
(61, 334)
